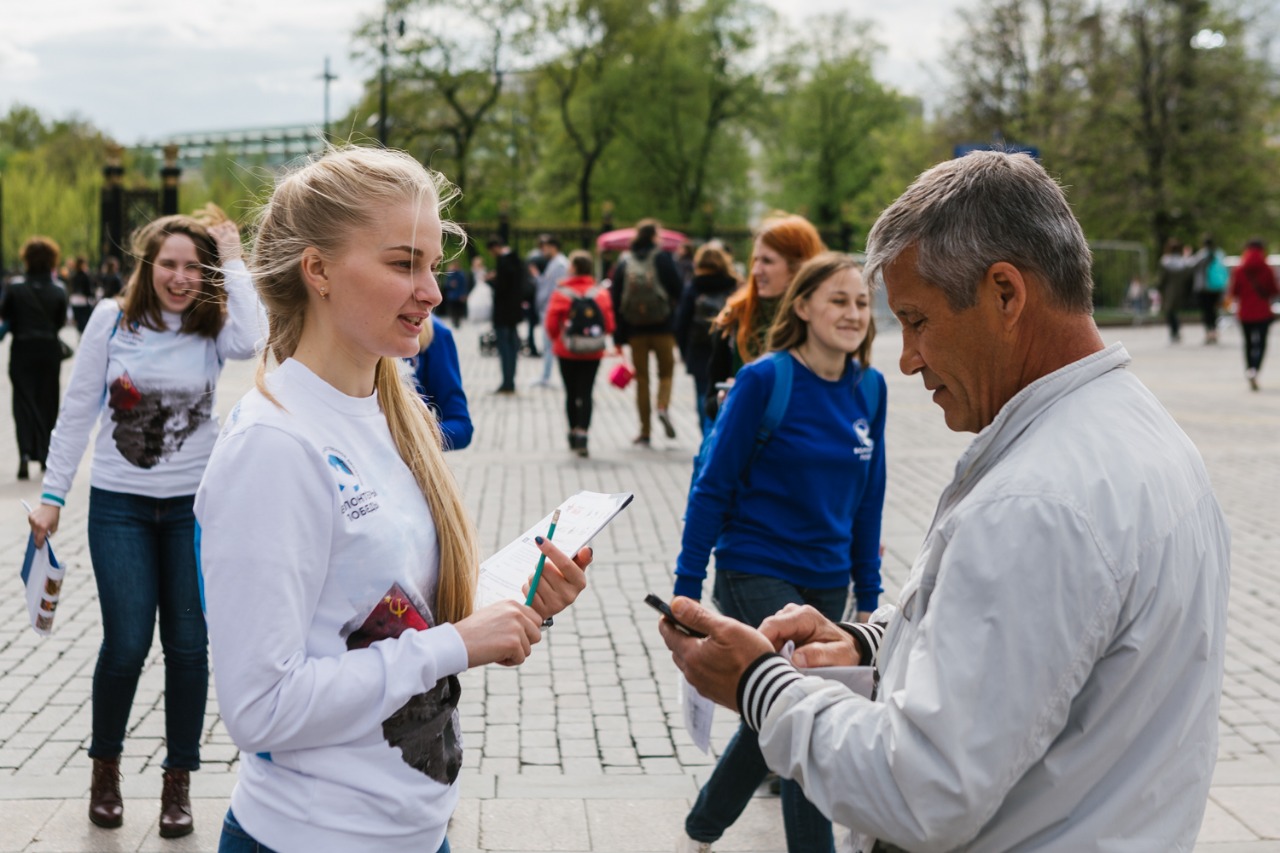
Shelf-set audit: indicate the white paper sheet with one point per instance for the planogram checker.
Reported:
(582, 516)
(699, 711)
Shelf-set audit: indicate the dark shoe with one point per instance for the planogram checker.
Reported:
(23, 471)
(106, 807)
(582, 445)
(665, 420)
(505, 391)
(641, 441)
(175, 805)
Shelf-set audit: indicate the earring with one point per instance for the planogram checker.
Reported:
(324, 293)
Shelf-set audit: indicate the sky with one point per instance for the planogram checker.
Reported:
(141, 70)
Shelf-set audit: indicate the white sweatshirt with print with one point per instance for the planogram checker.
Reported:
(314, 540)
(152, 392)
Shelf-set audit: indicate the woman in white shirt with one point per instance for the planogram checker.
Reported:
(338, 559)
(146, 371)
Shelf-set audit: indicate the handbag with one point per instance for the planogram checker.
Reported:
(621, 375)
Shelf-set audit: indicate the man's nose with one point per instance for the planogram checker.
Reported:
(910, 362)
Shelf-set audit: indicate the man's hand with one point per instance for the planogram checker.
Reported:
(714, 666)
(562, 580)
(819, 641)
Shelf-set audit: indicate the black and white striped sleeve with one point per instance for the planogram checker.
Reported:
(867, 637)
(761, 684)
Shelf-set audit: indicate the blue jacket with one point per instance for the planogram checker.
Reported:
(809, 509)
(439, 382)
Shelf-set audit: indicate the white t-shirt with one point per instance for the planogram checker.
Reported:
(152, 392)
(313, 530)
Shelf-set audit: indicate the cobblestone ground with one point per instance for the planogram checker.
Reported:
(582, 748)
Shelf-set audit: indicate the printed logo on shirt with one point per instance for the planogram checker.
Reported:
(357, 500)
(866, 444)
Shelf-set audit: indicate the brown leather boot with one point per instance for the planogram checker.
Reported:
(106, 808)
(175, 805)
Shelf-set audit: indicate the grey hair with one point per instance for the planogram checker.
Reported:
(966, 214)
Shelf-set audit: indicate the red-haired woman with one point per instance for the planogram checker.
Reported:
(782, 244)
(1253, 288)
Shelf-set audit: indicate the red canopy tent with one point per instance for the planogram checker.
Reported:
(616, 241)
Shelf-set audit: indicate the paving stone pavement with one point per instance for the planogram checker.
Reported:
(582, 749)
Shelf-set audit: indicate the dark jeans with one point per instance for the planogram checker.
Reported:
(1255, 343)
(579, 376)
(456, 311)
(741, 769)
(236, 840)
(1209, 302)
(701, 388)
(144, 559)
(508, 351)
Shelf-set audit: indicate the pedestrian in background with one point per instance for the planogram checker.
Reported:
(703, 301)
(339, 562)
(646, 288)
(146, 375)
(555, 268)
(80, 292)
(457, 286)
(1209, 284)
(797, 519)
(579, 317)
(1177, 270)
(1253, 289)
(35, 308)
(781, 245)
(507, 280)
(439, 382)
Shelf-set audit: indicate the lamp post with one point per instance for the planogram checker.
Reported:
(328, 77)
(382, 72)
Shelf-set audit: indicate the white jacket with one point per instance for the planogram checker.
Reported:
(1051, 681)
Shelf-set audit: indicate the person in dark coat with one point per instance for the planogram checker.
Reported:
(507, 281)
(713, 283)
(35, 307)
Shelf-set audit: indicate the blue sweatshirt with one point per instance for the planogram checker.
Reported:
(439, 381)
(809, 510)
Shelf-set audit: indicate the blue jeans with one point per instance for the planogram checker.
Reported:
(144, 559)
(236, 840)
(751, 599)
(508, 350)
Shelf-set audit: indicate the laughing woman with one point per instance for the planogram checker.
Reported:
(339, 562)
(796, 519)
(145, 373)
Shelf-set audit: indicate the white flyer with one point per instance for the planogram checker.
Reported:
(582, 516)
(699, 711)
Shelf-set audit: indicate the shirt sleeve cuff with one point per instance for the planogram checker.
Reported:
(867, 637)
(688, 587)
(760, 686)
(50, 498)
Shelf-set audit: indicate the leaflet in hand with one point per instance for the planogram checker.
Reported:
(582, 516)
(42, 576)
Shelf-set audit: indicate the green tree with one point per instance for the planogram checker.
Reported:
(835, 120)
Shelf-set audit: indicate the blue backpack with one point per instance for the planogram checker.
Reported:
(1216, 276)
(779, 397)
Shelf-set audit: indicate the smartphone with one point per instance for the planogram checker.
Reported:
(662, 607)
(723, 386)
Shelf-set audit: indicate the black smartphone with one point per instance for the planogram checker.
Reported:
(662, 607)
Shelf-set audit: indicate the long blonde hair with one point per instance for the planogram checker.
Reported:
(322, 205)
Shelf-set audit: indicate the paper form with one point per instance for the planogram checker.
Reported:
(582, 516)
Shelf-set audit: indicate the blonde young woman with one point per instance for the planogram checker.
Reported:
(339, 564)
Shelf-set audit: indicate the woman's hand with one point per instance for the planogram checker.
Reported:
(227, 237)
(44, 521)
(562, 579)
(500, 633)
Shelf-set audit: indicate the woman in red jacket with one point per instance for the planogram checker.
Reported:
(579, 315)
(1253, 288)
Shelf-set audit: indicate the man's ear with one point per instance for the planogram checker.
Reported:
(1008, 286)
(315, 272)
